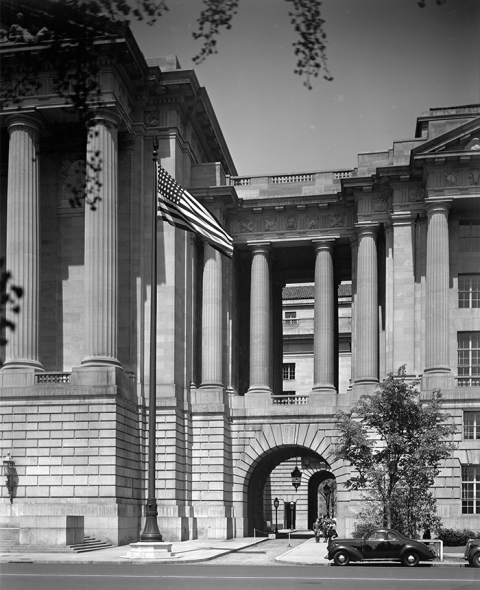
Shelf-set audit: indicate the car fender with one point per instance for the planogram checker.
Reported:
(353, 552)
(423, 552)
(473, 551)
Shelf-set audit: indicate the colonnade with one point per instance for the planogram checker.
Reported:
(101, 278)
(101, 250)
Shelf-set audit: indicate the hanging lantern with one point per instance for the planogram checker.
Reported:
(296, 477)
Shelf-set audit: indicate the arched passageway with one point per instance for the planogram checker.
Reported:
(264, 485)
(313, 484)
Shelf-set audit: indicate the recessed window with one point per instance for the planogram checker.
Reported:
(469, 238)
(288, 371)
(290, 317)
(469, 291)
(470, 489)
(471, 425)
(468, 359)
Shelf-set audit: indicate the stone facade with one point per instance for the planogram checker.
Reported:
(402, 228)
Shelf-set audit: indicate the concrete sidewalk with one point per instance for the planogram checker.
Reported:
(183, 552)
(199, 550)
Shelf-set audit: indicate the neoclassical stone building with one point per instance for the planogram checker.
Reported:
(403, 228)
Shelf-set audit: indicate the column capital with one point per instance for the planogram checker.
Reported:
(260, 247)
(22, 119)
(366, 228)
(108, 117)
(437, 206)
(324, 244)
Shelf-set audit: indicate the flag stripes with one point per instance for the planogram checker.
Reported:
(176, 206)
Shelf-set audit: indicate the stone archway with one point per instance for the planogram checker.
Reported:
(257, 515)
(271, 445)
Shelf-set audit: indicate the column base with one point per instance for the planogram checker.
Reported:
(325, 388)
(100, 361)
(23, 365)
(259, 389)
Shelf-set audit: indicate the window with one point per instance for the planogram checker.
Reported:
(290, 317)
(468, 359)
(471, 425)
(471, 489)
(469, 290)
(469, 240)
(288, 371)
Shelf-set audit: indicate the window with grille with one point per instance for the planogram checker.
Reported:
(290, 317)
(469, 239)
(288, 371)
(468, 358)
(471, 425)
(469, 290)
(470, 489)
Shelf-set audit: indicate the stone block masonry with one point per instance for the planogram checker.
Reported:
(74, 455)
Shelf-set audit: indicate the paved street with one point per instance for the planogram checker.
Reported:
(243, 564)
(212, 577)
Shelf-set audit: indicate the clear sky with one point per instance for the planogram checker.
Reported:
(390, 59)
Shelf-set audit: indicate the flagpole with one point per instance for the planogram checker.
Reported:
(151, 531)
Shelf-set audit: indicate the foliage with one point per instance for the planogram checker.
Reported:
(216, 14)
(10, 296)
(455, 537)
(310, 47)
(328, 491)
(396, 445)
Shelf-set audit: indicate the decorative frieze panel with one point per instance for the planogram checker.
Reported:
(296, 224)
(453, 181)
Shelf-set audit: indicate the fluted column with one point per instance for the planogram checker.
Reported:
(437, 284)
(366, 307)
(260, 321)
(324, 320)
(212, 318)
(23, 240)
(101, 259)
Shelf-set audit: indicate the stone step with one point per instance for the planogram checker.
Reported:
(89, 544)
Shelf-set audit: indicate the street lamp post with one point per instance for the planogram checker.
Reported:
(276, 504)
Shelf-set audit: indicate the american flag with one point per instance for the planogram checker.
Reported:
(181, 210)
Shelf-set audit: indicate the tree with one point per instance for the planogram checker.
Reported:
(395, 443)
(328, 491)
(10, 296)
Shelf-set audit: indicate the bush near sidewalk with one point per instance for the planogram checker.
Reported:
(455, 537)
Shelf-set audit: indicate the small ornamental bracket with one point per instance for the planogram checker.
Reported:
(9, 473)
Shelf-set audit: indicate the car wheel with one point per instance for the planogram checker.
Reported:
(475, 560)
(341, 558)
(410, 559)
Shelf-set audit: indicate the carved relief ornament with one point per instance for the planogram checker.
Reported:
(474, 176)
(246, 226)
(450, 178)
(270, 224)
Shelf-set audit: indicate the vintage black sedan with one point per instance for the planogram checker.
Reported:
(380, 544)
(472, 552)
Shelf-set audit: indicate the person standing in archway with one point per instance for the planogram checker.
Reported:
(317, 530)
